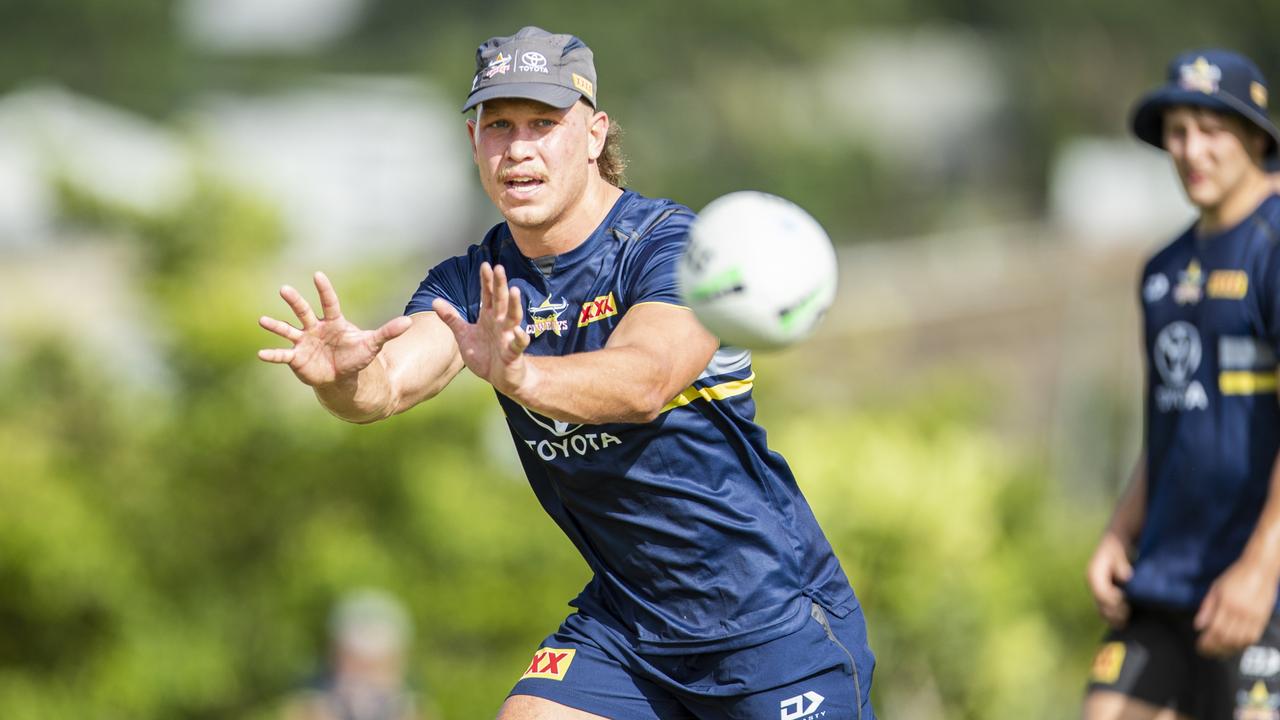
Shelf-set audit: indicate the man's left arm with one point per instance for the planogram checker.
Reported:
(656, 351)
(1240, 602)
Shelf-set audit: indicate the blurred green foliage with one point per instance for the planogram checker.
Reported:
(170, 549)
(967, 560)
(700, 94)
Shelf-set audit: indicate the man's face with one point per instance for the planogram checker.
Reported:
(1213, 152)
(534, 159)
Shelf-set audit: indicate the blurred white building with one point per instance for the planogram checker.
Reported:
(369, 169)
(49, 135)
(1104, 191)
(281, 26)
(358, 168)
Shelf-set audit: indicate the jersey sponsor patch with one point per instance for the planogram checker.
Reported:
(602, 307)
(1245, 382)
(1107, 663)
(1190, 283)
(1155, 288)
(550, 664)
(1227, 285)
(1176, 355)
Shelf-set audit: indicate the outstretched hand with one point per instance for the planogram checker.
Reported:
(327, 349)
(493, 347)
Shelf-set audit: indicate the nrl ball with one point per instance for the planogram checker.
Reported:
(759, 271)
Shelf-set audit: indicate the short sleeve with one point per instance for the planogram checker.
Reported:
(651, 275)
(448, 281)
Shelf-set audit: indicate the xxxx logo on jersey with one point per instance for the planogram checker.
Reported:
(598, 309)
(549, 664)
(1227, 284)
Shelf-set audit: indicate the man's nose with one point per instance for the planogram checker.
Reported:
(1194, 144)
(523, 146)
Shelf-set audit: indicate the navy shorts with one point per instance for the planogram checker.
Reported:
(822, 670)
(1153, 659)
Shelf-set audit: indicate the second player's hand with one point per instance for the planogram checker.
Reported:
(328, 349)
(1236, 610)
(493, 347)
(1108, 568)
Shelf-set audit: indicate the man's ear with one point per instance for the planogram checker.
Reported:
(599, 131)
(471, 133)
(1256, 141)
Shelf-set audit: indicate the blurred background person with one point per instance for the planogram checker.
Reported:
(369, 633)
(1201, 515)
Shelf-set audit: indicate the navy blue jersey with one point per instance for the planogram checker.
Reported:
(1212, 322)
(698, 536)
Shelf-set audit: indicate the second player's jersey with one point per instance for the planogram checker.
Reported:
(1211, 310)
(698, 535)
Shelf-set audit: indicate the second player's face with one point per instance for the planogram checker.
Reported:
(1211, 152)
(533, 158)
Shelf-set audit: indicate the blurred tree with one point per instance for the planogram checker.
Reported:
(171, 551)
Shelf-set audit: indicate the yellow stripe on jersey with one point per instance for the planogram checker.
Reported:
(715, 392)
(1246, 382)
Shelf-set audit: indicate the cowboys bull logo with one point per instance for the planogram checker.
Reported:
(1176, 355)
(545, 317)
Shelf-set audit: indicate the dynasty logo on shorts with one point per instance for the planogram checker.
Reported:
(1107, 663)
(549, 664)
(801, 706)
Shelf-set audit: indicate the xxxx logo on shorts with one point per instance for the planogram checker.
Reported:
(1107, 663)
(550, 664)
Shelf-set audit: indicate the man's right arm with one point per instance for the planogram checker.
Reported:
(408, 370)
(362, 376)
(1110, 565)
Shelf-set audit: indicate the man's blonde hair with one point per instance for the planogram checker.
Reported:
(612, 163)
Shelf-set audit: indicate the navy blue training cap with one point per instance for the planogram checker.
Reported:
(534, 64)
(1217, 79)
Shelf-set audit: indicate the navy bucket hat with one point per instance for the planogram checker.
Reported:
(1216, 79)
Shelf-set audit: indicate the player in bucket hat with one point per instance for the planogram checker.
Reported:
(1186, 573)
(1215, 79)
(715, 593)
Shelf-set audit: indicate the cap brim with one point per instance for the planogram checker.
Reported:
(1147, 122)
(553, 95)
